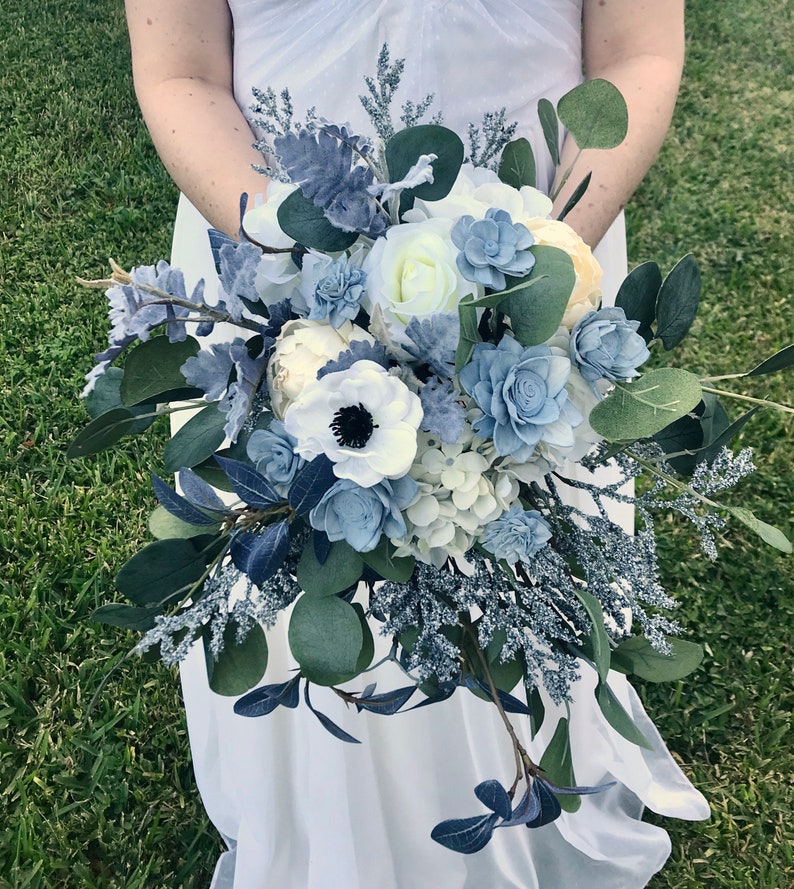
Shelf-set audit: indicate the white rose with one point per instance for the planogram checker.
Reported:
(477, 190)
(276, 272)
(302, 348)
(412, 273)
(586, 294)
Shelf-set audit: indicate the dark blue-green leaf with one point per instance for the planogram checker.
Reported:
(101, 433)
(127, 616)
(341, 569)
(178, 506)
(551, 129)
(677, 302)
(638, 657)
(310, 483)
(197, 440)
(240, 665)
(388, 703)
(264, 700)
(557, 763)
(779, 361)
(618, 718)
(405, 147)
(466, 835)
(260, 555)
(251, 487)
(328, 724)
(637, 296)
(491, 794)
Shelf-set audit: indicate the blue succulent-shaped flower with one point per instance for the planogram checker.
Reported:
(361, 515)
(491, 248)
(337, 294)
(271, 451)
(516, 535)
(606, 346)
(521, 392)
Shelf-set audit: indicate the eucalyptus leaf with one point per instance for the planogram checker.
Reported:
(643, 407)
(618, 718)
(306, 224)
(165, 525)
(517, 164)
(154, 368)
(406, 146)
(197, 440)
(557, 764)
(576, 196)
(128, 616)
(638, 657)
(341, 569)
(388, 566)
(367, 653)
(325, 638)
(677, 302)
(768, 533)
(101, 433)
(239, 666)
(779, 361)
(536, 313)
(551, 129)
(598, 635)
(637, 296)
(595, 114)
(106, 396)
(166, 567)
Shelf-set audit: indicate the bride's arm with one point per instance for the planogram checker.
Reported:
(638, 46)
(182, 68)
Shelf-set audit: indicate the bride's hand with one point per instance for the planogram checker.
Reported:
(640, 48)
(182, 68)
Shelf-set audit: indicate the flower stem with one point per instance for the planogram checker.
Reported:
(762, 401)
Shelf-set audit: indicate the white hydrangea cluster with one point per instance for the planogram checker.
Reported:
(460, 492)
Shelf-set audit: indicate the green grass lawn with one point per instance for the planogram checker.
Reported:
(111, 801)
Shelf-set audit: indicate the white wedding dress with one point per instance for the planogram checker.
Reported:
(297, 808)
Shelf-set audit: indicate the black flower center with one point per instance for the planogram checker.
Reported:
(352, 426)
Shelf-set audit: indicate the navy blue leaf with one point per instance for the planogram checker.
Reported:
(527, 810)
(579, 790)
(509, 703)
(369, 690)
(309, 485)
(251, 487)
(465, 835)
(445, 690)
(178, 506)
(494, 796)
(262, 701)
(388, 703)
(550, 809)
(322, 546)
(200, 493)
(261, 555)
(327, 723)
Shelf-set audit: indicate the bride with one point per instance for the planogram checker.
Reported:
(297, 808)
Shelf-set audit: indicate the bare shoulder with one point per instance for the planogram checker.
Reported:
(180, 38)
(619, 29)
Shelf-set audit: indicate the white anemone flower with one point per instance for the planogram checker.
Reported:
(363, 419)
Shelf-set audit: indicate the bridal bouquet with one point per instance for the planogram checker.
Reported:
(402, 389)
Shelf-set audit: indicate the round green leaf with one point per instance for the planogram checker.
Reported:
(643, 407)
(340, 570)
(164, 526)
(537, 308)
(326, 639)
(404, 149)
(239, 666)
(154, 368)
(595, 114)
(306, 223)
(390, 567)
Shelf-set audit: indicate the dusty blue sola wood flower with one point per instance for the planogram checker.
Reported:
(271, 451)
(605, 345)
(491, 248)
(361, 515)
(522, 394)
(338, 292)
(516, 535)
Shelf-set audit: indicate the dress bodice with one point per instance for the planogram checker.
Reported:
(474, 56)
